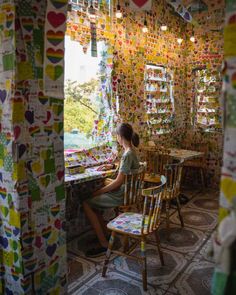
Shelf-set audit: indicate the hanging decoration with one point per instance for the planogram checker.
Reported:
(55, 24)
(105, 124)
(181, 10)
(140, 4)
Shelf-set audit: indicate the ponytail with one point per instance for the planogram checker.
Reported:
(135, 139)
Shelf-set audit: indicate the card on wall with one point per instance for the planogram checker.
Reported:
(55, 25)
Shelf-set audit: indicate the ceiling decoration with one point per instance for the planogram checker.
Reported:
(181, 10)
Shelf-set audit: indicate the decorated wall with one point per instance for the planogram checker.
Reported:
(133, 49)
(205, 53)
(129, 50)
(32, 206)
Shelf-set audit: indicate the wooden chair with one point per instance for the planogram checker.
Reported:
(133, 187)
(172, 188)
(138, 226)
(197, 164)
(156, 158)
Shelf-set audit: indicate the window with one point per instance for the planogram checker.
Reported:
(159, 99)
(83, 102)
(206, 108)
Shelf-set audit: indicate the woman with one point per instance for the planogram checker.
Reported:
(111, 195)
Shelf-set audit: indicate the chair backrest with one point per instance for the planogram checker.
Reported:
(134, 184)
(173, 175)
(157, 158)
(152, 207)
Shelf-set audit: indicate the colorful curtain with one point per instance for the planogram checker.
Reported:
(224, 279)
(105, 125)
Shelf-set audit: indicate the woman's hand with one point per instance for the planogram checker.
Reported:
(105, 167)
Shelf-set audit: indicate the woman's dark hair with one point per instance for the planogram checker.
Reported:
(125, 130)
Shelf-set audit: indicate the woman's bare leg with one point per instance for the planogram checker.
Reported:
(96, 224)
(103, 223)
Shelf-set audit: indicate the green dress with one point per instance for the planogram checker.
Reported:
(129, 161)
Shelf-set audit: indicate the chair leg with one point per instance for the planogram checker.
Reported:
(184, 173)
(167, 214)
(179, 212)
(108, 254)
(159, 248)
(202, 177)
(144, 263)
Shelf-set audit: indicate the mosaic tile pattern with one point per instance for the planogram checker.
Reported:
(157, 275)
(188, 265)
(196, 219)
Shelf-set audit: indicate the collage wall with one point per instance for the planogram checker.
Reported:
(32, 207)
(206, 52)
(32, 203)
(132, 49)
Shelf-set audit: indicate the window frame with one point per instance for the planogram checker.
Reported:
(207, 98)
(167, 103)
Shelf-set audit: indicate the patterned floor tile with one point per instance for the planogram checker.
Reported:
(209, 193)
(206, 252)
(115, 284)
(196, 219)
(184, 240)
(79, 271)
(188, 265)
(204, 203)
(195, 280)
(157, 274)
(79, 246)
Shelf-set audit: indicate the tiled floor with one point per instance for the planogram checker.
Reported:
(188, 266)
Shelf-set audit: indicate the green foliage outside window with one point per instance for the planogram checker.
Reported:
(81, 106)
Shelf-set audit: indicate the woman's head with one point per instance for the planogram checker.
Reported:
(125, 132)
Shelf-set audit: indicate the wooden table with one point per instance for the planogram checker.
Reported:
(89, 174)
(185, 154)
(180, 154)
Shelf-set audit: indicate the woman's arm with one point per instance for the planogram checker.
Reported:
(115, 184)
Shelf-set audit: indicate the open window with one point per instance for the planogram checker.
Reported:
(85, 105)
(159, 99)
(206, 107)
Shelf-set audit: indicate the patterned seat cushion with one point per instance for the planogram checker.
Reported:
(128, 222)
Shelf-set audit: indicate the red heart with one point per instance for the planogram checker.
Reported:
(38, 242)
(60, 174)
(140, 3)
(48, 117)
(17, 131)
(57, 223)
(56, 19)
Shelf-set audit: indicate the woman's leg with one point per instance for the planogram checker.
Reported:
(103, 223)
(96, 224)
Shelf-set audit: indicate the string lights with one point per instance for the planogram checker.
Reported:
(118, 10)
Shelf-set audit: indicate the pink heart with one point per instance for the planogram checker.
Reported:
(140, 3)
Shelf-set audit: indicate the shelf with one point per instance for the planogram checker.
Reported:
(157, 80)
(158, 113)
